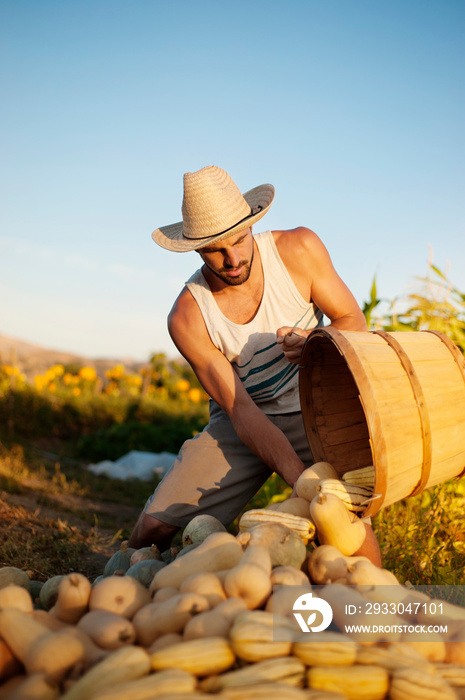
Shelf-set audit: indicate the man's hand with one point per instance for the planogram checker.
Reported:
(292, 341)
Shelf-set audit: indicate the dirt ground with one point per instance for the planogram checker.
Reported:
(58, 525)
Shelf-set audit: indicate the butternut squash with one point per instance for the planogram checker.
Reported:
(119, 594)
(327, 564)
(207, 624)
(93, 653)
(9, 664)
(454, 674)
(201, 657)
(157, 619)
(285, 547)
(326, 649)
(253, 641)
(38, 649)
(231, 608)
(250, 578)
(14, 596)
(165, 640)
(107, 629)
(72, 599)
(52, 623)
(390, 657)
(282, 600)
(430, 645)
(380, 628)
(365, 574)
(363, 476)
(288, 576)
(54, 654)
(221, 550)
(295, 506)
(164, 593)
(354, 497)
(10, 686)
(206, 584)
(419, 684)
(267, 690)
(20, 631)
(169, 683)
(335, 525)
(33, 687)
(440, 612)
(124, 664)
(353, 682)
(285, 669)
(301, 526)
(306, 484)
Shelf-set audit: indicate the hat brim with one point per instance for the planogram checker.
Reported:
(172, 237)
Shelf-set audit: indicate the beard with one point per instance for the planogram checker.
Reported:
(223, 275)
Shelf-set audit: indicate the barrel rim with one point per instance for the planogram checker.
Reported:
(341, 340)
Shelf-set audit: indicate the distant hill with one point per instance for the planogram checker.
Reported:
(33, 359)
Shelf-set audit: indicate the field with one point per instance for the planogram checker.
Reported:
(56, 516)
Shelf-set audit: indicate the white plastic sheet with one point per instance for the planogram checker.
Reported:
(135, 465)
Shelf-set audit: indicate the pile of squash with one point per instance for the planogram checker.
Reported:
(216, 618)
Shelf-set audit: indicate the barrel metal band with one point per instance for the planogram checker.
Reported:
(421, 405)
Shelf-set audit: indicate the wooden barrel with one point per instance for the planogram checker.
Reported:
(394, 400)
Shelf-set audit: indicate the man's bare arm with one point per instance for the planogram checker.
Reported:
(312, 270)
(215, 373)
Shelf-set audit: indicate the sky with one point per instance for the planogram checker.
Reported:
(352, 109)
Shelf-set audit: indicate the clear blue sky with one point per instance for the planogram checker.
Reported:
(353, 109)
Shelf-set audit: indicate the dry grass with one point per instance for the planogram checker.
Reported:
(49, 522)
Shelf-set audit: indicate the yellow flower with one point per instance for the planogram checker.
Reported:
(112, 388)
(52, 386)
(115, 372)
(39, 381)
(195, 395)
(58, 370)
(88, 373)
(182, 385)
(76, 391)
(49, 376)
(68, 379)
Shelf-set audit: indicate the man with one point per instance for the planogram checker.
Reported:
(241, 322)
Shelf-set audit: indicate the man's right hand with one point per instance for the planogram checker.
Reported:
(292, 341)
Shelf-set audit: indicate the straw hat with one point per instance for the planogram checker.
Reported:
(212, 209)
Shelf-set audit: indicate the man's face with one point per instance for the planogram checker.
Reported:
(230, 259)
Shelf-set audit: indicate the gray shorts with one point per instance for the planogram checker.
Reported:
(216, 473)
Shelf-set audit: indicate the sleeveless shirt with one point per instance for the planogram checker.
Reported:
(269, 378)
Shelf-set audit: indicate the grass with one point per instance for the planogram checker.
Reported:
(422, 538)
(46, 546)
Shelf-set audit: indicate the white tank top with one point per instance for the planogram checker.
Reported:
(251, 348)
